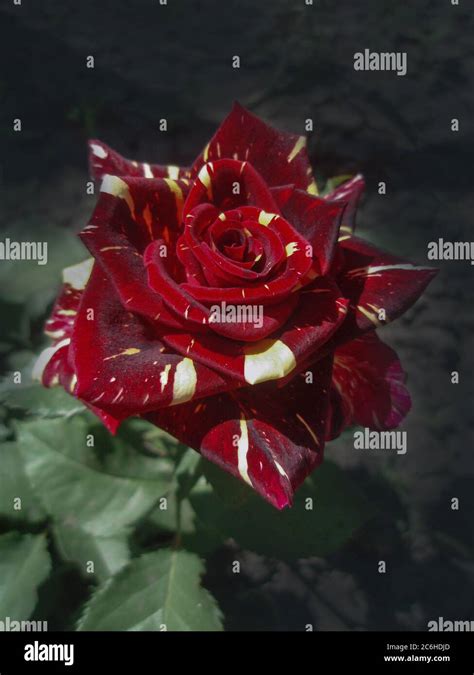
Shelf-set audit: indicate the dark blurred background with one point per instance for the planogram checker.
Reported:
(175, 62)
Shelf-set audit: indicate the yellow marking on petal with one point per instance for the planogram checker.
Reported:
(205, 154)
(184, 383)
(130, 351)
(78, 275)
(308, 429)
(147, 172)
(299, 145)
(222, 216)
(242, 451)
(312, 188)
(369, 315)
(178, 195)
(45, 357)
(112, 248)
(205, 178)
(134, 163)
(265, 218)
(164, 376)
(173, 171)
(291, 248)
(267, 360)
(72, 383)
(346, 228)
(55, 334)
(344, 237)
(67, 312)
(281, 470)
(98, 151)
(115, 186)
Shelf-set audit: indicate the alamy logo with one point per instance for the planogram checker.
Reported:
(39, 651)
(446, 626)
(225, 313)
(24, 250)
(367, 60)
(381, 440)
(451, 250)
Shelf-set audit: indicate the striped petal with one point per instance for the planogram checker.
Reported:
(348, 193)
(130, 213)
(121, 366)
(103, 160)
(380, 286)
(367, 386)
(278, 156)
(320, 312)
(317, 220)
(271, 438)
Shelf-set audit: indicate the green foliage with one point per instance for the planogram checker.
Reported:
(126, 520)
(136, 512)
(326, 512)
(158, 591)
(34, 400)
(17, 499)
(24, 565)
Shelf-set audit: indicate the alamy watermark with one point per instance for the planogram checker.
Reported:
(9, 625)
(394, 61)
(225, 313)
(381, 440)
(24, 250)
(446, 626)
(451, 250)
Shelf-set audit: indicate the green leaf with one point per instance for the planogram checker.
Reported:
(101, 489)
(17, 500)
(158, 591)
(24, 565)
(328, 509)
(36, 400)
(108, 554)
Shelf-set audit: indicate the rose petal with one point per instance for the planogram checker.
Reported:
(278, 156)
(271, 438)
(368, 380)
(317, 220)
(374, 281)
(103, 160)
(121, 366)
(130, 213)
(349, 193)
(320, 312)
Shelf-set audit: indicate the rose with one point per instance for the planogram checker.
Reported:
(136, 331)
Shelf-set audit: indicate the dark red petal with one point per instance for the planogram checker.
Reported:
(103, 160)
(254, 322)
(271, 438)
(278, 156)
(373, 281)
(121, 366)
(217, 184)
(320, 313)
(130, 213)
(349, 193)
(369, 382)
(317, 220)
